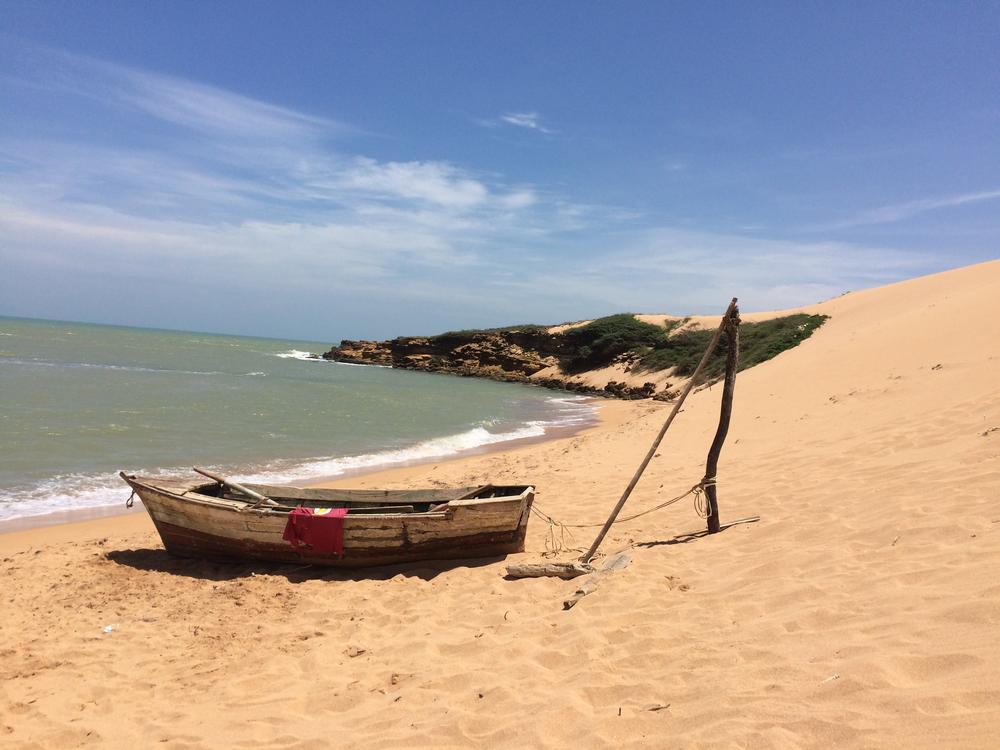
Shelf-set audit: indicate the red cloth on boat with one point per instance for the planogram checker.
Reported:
(320, 528)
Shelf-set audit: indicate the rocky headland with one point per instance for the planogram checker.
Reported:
(620, 356)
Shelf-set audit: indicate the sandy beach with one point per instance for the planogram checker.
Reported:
(861, 611)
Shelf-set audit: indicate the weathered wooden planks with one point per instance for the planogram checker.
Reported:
(192, 543)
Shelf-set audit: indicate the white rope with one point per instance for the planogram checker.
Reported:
(701, 507)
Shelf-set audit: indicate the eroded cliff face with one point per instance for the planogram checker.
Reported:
(527, 356)
(361, 352)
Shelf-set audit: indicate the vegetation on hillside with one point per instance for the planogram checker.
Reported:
(605, 340)
(650, 347)
(600, 342)
(468, 333)
(759, 342)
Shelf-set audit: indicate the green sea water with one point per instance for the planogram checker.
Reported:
(79, 402)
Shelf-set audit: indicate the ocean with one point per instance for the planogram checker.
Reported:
(79, 402)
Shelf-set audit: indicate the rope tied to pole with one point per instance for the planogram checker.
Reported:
(554, 544)
(701, 505)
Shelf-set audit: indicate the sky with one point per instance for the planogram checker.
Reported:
(327, 170)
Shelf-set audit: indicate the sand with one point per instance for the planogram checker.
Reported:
(861, 611)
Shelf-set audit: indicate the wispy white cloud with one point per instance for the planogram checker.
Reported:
(241, 187)
(529, 120)
(901, 211)
(436, 182)
(671, 270)
(211, 109)
(229, 150)
(333, 255)
(523, 198)
(232, 185)
(197, 106)
(507, 271)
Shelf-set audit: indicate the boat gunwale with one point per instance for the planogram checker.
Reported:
(242, 507)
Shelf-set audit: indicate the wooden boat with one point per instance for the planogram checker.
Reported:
(219, 519)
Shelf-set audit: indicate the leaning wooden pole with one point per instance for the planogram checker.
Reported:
(589, 554)
(732, 325)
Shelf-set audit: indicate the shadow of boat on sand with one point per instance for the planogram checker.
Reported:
(161, 561)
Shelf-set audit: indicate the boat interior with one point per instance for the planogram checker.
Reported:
(360, 502)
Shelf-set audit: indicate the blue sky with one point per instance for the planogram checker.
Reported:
(371, 169)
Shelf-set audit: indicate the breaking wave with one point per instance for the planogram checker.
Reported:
(70, 492)
(297, 354)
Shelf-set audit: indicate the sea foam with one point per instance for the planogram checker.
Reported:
(70, 492)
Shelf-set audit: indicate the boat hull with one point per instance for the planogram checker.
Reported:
(191, 525)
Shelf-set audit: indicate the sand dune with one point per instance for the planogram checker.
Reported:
(861, 611)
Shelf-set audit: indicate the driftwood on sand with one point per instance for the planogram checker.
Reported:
(570, 570)
(613, 564)
(565, 570)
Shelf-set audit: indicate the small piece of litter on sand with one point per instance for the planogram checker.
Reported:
(658, 707)
(831, 678)
(108, 628)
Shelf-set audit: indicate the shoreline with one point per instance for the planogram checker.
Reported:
(611, 413)
(73, 516)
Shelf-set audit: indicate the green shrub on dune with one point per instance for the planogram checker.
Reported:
(598, 343)
(759, 342)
